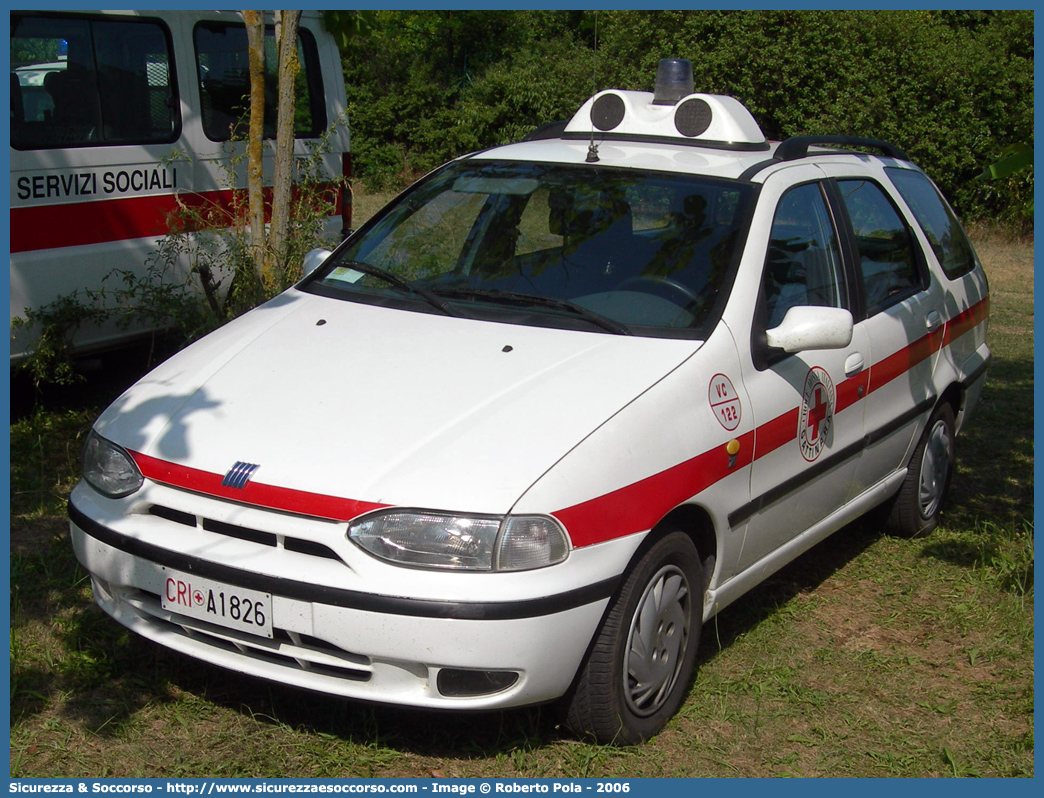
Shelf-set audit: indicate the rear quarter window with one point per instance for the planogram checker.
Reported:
(944, 233)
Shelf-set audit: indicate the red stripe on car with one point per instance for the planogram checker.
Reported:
(627, 510)
(273, 497)
(966, 320)
(639, 506)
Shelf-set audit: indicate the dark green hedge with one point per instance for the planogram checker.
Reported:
(952, 88)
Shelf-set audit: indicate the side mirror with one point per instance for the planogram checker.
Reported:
(313, 260)
(806, 327)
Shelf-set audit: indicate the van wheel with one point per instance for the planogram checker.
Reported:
(915, 509)
(637, 671)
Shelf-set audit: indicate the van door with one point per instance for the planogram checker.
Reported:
(94, 113)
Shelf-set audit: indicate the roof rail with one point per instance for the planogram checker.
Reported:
(797, 146)
(549, 130)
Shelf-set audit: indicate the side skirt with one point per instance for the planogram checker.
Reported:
(718, 598)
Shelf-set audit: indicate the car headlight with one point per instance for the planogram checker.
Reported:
(109, 469)
(462, 542)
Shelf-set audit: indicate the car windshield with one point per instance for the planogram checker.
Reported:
(617, 250)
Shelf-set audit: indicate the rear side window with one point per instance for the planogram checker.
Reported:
(888, 264)
(88, 82)
(224, 83)
(945, 234)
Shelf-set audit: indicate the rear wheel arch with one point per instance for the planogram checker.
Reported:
(915, 509)
(953, 396)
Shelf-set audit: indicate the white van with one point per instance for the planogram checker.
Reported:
(114, 114)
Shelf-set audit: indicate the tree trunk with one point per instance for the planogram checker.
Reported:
(286, 45)
(255, 30)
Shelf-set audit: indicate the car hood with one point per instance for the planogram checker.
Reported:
(383, 405)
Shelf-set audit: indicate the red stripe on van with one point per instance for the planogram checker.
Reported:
(77, 224)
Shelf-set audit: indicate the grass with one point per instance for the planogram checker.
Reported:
(868, 656)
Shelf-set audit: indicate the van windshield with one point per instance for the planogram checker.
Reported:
(560, 245)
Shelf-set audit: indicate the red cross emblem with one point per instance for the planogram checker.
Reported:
(817, 413)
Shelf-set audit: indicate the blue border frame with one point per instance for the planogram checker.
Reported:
(639, 787)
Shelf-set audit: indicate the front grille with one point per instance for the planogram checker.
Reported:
(177, 516)
(299, 545)
(287, 649)
(233, 531)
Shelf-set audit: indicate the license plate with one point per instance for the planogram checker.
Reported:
(233, 607)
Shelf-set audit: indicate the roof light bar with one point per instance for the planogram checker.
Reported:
(703, 120)
(672, 114)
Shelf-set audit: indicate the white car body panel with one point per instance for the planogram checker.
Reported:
(652, 156)
(492, 421)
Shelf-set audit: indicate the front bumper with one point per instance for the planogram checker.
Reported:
(335, 639)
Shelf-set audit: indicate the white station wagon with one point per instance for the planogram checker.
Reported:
(516, 439)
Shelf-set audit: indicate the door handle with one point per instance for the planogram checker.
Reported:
(853, 364)
(932, 320)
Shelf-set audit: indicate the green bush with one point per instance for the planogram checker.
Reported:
(952, 88)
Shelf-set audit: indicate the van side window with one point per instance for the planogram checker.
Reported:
(888, 264)
(224, 83)
(84, 82)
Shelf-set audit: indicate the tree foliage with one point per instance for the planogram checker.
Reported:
(952, 88)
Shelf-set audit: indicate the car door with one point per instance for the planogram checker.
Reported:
(904, 323)
(807, 413)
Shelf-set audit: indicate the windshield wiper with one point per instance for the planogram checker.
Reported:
(543, 301)
(398, 282)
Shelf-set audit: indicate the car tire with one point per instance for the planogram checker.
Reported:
(652, 627)
(915, 510)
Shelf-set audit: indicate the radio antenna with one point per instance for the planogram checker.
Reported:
(592, 148)
(594, 76)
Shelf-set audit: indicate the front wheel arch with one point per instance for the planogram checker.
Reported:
(696, 522)
(638, 668)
